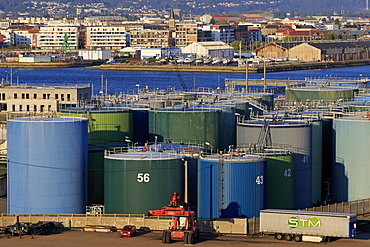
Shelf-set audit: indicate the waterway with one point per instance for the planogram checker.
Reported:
(131, 81)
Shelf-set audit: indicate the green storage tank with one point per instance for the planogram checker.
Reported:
(107, 126)
(280, 181)
(186, 125)
(95, 175)
(136, 182)
(322, 94)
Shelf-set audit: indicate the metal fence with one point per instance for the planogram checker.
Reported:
(359, 207)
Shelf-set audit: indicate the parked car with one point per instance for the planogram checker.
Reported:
(128, 231)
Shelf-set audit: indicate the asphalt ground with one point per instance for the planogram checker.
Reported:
(64, 237)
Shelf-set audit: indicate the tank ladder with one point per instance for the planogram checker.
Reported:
(264, 139)
(220, 168)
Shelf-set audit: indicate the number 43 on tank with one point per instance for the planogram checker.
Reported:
(143, 177)
(259, 179)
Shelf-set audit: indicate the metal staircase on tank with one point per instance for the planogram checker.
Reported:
(257, 104)
(264, 139)
(220, 168)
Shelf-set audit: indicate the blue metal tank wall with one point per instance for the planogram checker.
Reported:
(47, 164)
(351, 159)
(244, 187)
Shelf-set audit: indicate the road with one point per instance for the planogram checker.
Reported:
(67, 238)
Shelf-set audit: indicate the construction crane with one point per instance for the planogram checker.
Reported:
(184, 227)
(65, 46)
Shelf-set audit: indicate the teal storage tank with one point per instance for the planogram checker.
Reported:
(136, 182)
(351, 164)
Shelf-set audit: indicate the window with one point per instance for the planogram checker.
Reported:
(56, 96)
(48, 96)
(3, 96)
(27, 108)
(68, 97)
(23, 96)
(44, 96)
(35, 96)
(20, 107)
(62, 97)
(27, 95)
(15, 96)
(13, 107)
(41, 108)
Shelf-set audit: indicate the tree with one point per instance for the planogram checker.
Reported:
(237, 45)
(289, 39)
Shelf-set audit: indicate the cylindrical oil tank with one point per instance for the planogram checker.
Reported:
(187, 124)
(351, 164)
(228, 125)
(107, 126)
(322, 94)
(191, 155)
(279, 179)
(136, 182)
(298, 135)
(47, 164)
(231, 187)
(95, 175)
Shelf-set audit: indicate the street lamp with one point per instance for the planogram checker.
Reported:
(209, 144)
(138, 88)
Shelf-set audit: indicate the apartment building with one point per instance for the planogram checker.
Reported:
(42, 99)
(52, 37)
(185, 34)
(148, 38)
(111, 37)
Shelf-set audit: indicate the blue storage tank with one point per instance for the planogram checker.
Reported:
(231, 187)
(47, 164)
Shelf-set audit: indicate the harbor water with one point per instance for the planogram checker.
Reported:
(131, 81)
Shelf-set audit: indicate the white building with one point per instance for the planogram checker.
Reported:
(95, 54)
(159, 52)
(209, 49)
(113, 37)
(52, 37)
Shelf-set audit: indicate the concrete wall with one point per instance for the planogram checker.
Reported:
(227, 226)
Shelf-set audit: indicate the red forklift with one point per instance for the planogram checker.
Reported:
(184, 226)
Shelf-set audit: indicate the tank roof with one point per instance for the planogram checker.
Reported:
(48, 119)
(279, 123)
(149, 155)
(320, 89)
(233, 158)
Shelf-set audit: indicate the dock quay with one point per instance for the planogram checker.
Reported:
(272, 67)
